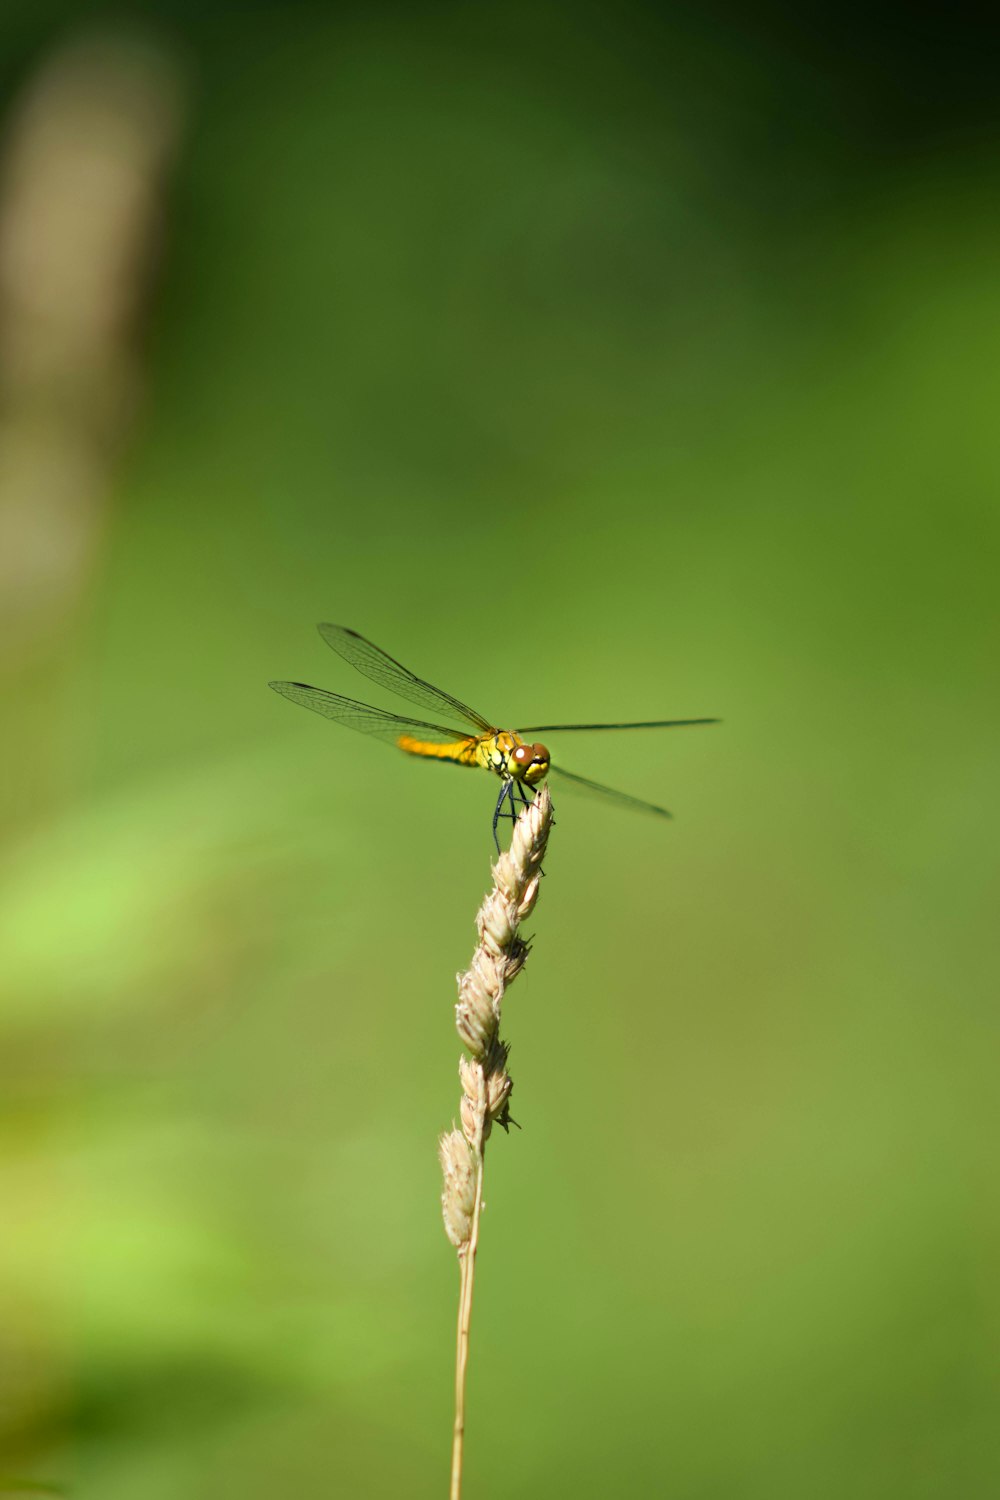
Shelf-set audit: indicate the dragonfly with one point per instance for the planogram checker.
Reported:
(520, 763)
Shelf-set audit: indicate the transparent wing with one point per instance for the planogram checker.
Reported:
(646, 724)
(391, 674)
(622, 799)
(366, 719)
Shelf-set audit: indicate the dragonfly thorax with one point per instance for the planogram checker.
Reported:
(507, 756)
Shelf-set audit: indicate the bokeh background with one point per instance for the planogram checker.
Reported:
(600, 362)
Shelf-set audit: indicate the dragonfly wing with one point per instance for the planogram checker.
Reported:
(622, 799)
(645, 724)
(391, 674)
(366, 719)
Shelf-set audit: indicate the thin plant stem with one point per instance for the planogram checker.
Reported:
(486, 1084)
(468, 1275)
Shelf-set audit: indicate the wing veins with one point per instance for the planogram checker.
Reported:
(624, 799)
(378, 666)
(366, 718)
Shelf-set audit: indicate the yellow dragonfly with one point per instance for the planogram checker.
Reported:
(517, 762)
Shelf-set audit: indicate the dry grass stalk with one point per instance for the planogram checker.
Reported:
(486, 1084)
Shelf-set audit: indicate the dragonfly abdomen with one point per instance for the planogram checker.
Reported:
(462, 753)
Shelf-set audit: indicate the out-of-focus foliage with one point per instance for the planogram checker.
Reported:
(600, 363)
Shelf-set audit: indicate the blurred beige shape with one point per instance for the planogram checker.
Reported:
(83, 163)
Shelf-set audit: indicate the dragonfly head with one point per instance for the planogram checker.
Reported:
(529, 763)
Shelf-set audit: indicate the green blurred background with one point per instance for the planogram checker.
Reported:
(599, 362)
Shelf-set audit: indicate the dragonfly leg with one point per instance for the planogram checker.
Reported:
(504, 792)
(511, 804)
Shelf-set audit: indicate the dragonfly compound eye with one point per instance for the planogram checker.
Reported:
(529, 763)
(537, 763)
